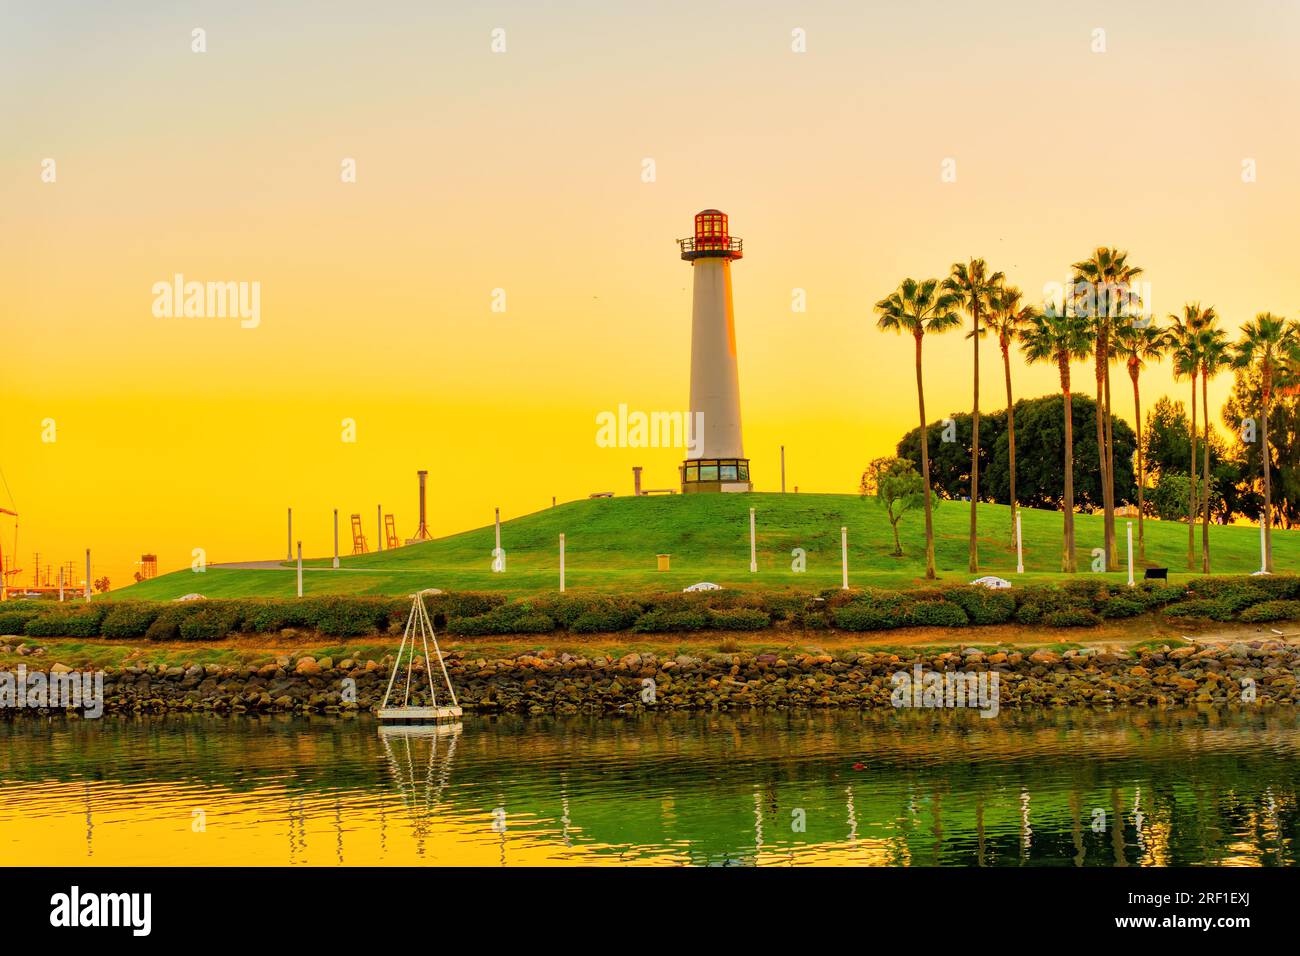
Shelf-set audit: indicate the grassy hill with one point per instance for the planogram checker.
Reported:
(611, 546)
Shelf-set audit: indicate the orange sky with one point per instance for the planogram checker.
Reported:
(522, 171)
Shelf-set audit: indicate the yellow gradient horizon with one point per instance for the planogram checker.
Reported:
(524, 171)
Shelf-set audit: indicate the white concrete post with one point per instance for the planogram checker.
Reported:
(1020, 554)
(60, 584)
(1130, 554)
(336, 537)
(299, 569)
(753, 552)
(561, 564)
(844, 558)
(1263, 550)
(498, 562)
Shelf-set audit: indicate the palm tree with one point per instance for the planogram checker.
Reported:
(1061, 339)
(972, 286)
(1215, 356)
(1108, 275)
(920, 308)
(1006, 318)
(1137, 345)
(1184, 332)
(1268, 344)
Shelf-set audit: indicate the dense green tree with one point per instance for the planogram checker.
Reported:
(1040, 478)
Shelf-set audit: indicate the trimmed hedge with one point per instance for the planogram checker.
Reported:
(84, 622)
(1272, 611)
(1082, 602)
(15, 622)
(129, 620)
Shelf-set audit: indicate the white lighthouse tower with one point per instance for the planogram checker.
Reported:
(717, 462)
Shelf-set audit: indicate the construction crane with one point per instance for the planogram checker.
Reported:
(4, 571)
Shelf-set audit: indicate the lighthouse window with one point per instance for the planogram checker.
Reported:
(692, 473)
(708, 473)
(728, 472)
(743, 468)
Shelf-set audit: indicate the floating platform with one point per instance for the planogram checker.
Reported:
(446, 728)
(418, 715)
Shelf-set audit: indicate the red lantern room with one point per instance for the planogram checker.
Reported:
(712, 239)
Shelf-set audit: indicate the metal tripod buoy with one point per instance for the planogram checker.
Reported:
(418, 626)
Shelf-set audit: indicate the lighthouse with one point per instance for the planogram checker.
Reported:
(717, 461)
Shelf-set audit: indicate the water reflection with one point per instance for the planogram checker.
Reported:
(1062, 788)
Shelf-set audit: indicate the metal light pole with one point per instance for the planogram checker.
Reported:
(561, 563)
(336, 537)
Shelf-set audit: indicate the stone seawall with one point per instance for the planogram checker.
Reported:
(1258, 672)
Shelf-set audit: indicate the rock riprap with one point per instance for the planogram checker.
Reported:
(1258, 673)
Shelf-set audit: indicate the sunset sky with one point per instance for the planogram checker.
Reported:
(523, 171)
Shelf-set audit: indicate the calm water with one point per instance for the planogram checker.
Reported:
(1055, 789)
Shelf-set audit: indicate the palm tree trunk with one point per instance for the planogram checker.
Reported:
(1011, 436)
(1067, 505)
(1205, 472)
(1192, 489)
(1266, 457)
(1111, 551)
(975, 448)
(1101, 454)
(925, 467)
(1141, 475)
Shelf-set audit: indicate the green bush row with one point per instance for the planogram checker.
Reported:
(1078, 603)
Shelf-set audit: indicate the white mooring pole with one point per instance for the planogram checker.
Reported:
(753, 552)
(60, 584)
(1020, 554)
(1130, 554)
(1263, 551)
(561, 563)
(496, 553)
(299, 569)
(336, 537)
(844, 558)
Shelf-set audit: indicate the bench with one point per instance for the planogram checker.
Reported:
(1156, 574)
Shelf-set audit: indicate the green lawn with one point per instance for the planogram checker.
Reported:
(611, 546)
